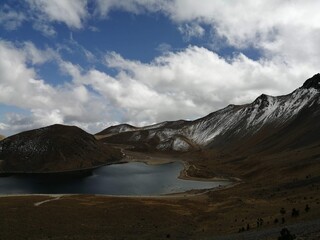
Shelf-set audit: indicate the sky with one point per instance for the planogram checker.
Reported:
(97, 63)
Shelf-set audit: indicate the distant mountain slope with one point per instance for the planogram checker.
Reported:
(285, 119)
(2, 137)
(129, 128)
(53, 148)
(117, 129)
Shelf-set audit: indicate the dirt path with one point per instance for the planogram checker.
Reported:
(49, 200)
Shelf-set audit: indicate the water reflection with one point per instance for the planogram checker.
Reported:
(120, 179)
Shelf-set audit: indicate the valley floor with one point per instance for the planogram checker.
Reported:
(266, 187)
(303, 231)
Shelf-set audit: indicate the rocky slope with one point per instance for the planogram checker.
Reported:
(289, 120)
(53, 148)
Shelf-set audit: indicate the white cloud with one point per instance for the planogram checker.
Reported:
(135, 6)
(94, 29)
(71, 12)
(199, 81)
(10, 19)
(185, 84)
(285, 33)
(164, 47)
(191, 30)
(36, 56)
(20, 86)
(283, 29)
(45, 28)
(42, 13)
(18, 83)
(86, 53)
(277, 28)
(37, 118)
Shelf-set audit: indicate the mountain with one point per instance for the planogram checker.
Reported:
(54, 148)
(269, 122)
(115, 130)
(2, 137)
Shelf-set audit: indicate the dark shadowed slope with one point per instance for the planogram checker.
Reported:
(117, 129)
(54, 148)
(275, 122)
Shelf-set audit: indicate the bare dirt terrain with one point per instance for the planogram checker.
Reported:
(268, 184)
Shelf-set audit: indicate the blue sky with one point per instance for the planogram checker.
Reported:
(95, 63)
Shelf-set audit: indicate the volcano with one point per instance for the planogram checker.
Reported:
(267, 124)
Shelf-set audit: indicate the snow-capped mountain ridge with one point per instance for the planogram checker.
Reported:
(232, 122)
(313, 82)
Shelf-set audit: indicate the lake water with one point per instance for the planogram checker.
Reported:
(134, 178)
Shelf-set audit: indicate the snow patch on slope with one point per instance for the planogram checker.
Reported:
(232, 120)
(180, 145)
(265, 110)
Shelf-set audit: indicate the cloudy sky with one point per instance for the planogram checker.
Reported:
(96, 63)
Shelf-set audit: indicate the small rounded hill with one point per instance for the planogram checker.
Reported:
(52, 149)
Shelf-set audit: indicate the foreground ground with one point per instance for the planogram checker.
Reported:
(290, 180)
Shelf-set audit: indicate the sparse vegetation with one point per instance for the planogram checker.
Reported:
(307, 208)
(286, 235)
(282, 211)
(248, 227)
(55, 148)
(295, 213)
(259, 222)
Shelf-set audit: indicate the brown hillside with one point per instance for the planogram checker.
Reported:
(54, 148)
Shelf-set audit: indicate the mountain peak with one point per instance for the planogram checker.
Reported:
(313, 82)
(262, 101)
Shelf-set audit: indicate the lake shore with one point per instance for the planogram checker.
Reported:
(165, 159)
(216, 212)
(183, 188)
